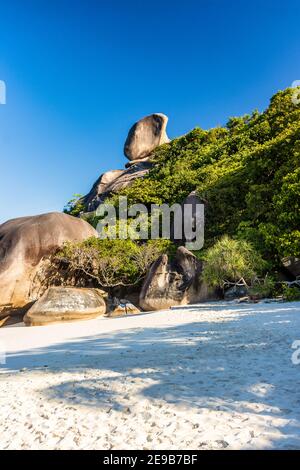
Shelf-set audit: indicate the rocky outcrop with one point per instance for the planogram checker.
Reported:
(143, 138)
(66, 304)
(175, 282)
(112, 182)
(24, 242)
(292, 265)
(145, 135)
(122, 307)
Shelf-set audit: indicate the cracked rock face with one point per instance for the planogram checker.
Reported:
(173, 282)
(145, 135)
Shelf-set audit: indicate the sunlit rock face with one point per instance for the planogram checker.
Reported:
(145, 135)
(112, 182)
(24, 242)
(59, 304)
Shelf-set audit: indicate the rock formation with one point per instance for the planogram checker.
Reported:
(65, 304)
(112, 182)
(143, 138)
(122, 307)
(292, 265)
(175, 282)
(145, 135)
(23, 244)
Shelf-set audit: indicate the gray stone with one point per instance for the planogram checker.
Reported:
(59, 304)
(236, 292)
(292, 265)
(123, 307)
(145, 135)
(112, 182)
(24, 242)
(176, 282)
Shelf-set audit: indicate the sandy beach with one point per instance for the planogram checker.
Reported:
(211, 376)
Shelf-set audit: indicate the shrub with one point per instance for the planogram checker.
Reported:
(75, 206)
(229, 261)
(291, 294)
(264, 288)
(109, 263)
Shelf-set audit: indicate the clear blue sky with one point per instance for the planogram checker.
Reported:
(79, 73)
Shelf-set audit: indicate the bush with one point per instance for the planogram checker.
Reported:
(291, 294)
(264, 288)
(229, 261)
(109, 263)
(75, 206)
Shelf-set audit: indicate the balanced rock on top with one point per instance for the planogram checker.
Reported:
(145, 135)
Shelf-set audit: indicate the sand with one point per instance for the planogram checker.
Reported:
(212, 376)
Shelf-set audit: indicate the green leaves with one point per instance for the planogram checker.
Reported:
(247, 172)
(110, 263)
(231, 260)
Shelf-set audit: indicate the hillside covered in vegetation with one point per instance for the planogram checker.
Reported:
(247, 173)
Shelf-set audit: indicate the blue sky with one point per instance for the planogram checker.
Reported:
(80, 73)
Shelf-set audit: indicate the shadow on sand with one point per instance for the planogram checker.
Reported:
(241, 364)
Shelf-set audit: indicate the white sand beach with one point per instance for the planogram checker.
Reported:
(213, 376)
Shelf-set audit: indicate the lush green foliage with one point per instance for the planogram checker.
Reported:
(75, 206)
(247, 173)
(262, 288)
(230, 260)
(291, 294)
(109, 263)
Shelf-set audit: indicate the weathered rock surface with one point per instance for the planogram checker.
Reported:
(23, 244)
(175, 282)
(121, 308)
(145, 135)
(112, 182)
(65, 304)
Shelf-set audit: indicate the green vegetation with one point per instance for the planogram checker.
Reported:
(247, 173)
(108, 263)
(75, 206)
(291, 294)
(266, 287)
(231, 261)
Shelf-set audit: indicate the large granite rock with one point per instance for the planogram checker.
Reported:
(176, 282)
(59, 304)
(112, 182)
(145, 135)
(23, 244)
